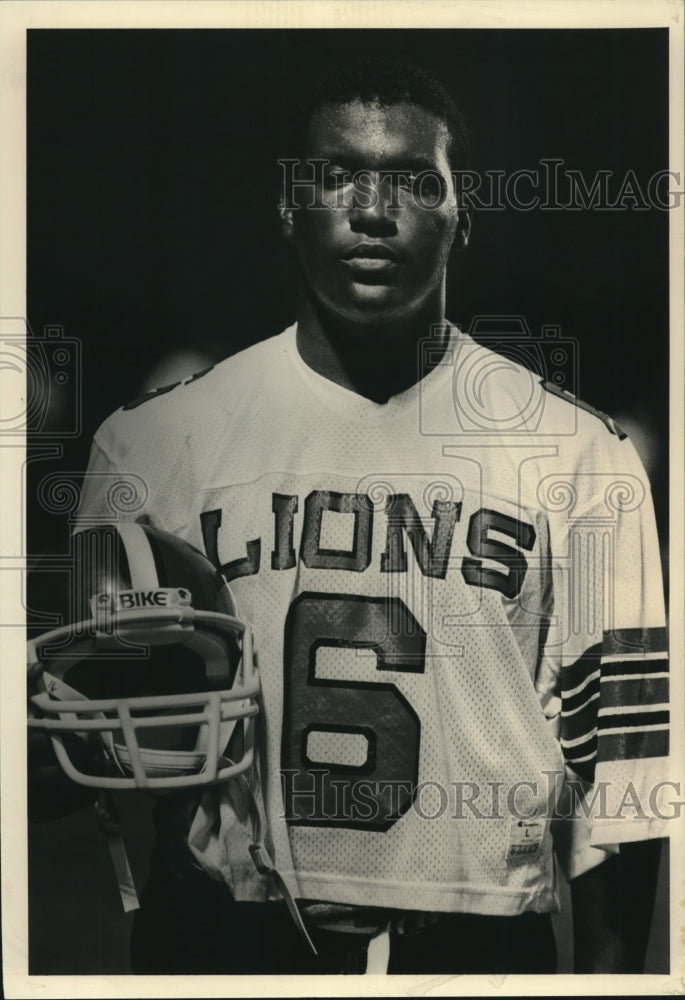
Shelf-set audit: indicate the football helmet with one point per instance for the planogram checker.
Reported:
(149, 661)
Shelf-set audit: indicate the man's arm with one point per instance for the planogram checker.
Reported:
(612, 910)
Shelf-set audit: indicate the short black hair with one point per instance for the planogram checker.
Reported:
(386, 82)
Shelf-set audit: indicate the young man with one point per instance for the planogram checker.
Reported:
(439, 565)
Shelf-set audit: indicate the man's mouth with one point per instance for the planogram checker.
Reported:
(370, 258)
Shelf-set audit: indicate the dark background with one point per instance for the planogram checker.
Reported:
(152, 229)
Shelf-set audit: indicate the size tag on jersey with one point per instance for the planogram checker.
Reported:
(525, 838)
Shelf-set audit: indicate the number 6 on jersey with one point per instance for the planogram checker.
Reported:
(350, 752)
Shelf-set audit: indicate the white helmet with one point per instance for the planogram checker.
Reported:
(150, 660)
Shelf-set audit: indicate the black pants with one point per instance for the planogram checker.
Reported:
(192, 926)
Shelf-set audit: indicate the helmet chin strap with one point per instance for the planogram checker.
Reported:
(106, 810)
(107, 813)
(108, 819)
(106, 807)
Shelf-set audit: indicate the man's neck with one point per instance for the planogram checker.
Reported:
(375, 361)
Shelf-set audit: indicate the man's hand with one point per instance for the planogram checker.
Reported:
(612, 910)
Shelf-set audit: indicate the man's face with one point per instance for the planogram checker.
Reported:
(377, 250)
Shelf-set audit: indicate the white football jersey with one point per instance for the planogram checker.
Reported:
(457, 607)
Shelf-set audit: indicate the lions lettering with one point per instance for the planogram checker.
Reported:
(505, 569)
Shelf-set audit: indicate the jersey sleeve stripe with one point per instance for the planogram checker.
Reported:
(638, 666)
(629, 718)
(581, 688)
(631, 745)
(633, 656)
(572, 742)
(576, 701)
(583, 760)
(576, 725)
(635, 677)
(614, 701)
(634, 691)
(578, 673)
(581, 756)
(622, 642)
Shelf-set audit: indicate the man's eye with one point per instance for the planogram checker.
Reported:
(335, 178)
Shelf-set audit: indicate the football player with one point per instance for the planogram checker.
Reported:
(451, 569)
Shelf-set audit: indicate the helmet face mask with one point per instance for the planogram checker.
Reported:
(151, 661)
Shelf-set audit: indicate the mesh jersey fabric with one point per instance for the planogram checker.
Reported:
(457, 606)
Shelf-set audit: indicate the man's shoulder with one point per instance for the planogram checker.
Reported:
(578, 419)
(516, 393)
(229, 377)
(193, 404)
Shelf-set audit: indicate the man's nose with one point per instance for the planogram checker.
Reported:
(372, 209)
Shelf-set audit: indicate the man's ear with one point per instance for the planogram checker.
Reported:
(461, 236)
(287, 227)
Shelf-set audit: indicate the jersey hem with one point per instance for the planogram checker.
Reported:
(447, 899)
